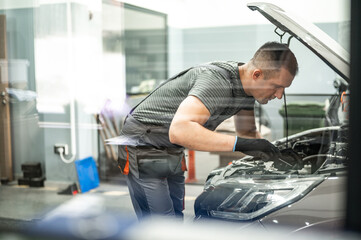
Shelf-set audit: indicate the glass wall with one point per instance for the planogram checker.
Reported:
(68, 61)
(27, 137)
(145, 49)
(60, 70)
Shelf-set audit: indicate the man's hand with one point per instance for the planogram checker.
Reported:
(256, 147)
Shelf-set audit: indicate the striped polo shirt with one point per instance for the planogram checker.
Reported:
(222, 95)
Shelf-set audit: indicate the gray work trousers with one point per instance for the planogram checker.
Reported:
(157, 196)
(154, 169)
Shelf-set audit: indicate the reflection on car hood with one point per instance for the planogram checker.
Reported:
(311, 36)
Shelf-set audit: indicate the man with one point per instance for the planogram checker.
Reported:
(184, 111)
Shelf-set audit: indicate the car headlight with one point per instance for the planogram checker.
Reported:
(255, 198)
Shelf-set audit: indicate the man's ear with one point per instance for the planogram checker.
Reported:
(257, 73)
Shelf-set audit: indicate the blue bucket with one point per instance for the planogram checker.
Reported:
(87, 174)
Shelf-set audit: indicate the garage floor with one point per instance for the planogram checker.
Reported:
(21, 205)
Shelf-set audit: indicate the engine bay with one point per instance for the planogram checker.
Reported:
(316, 151)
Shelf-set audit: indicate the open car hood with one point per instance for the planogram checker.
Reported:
(311, 36)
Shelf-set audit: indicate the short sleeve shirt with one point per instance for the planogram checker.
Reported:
(222, 95)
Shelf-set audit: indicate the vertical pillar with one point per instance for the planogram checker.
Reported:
(353, 207)
(191, 167)
(6, 169)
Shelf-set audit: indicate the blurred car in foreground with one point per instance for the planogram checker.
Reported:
(304, 188)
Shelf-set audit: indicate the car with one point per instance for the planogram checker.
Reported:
(304, 188)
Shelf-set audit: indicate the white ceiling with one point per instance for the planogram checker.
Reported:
(205, 13)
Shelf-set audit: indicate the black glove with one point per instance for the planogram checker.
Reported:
(257, 148)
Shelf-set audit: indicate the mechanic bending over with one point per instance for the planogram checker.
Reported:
(185, 110)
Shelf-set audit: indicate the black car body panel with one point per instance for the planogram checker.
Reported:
(302, 188)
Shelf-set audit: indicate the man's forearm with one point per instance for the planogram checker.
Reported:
(194, 136)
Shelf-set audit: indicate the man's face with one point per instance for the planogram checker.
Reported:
(265, 90)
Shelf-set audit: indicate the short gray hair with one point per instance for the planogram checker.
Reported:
(271, 56)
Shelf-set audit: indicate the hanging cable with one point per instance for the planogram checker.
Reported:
(260, 118)
(61, 153)
(285, 106)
